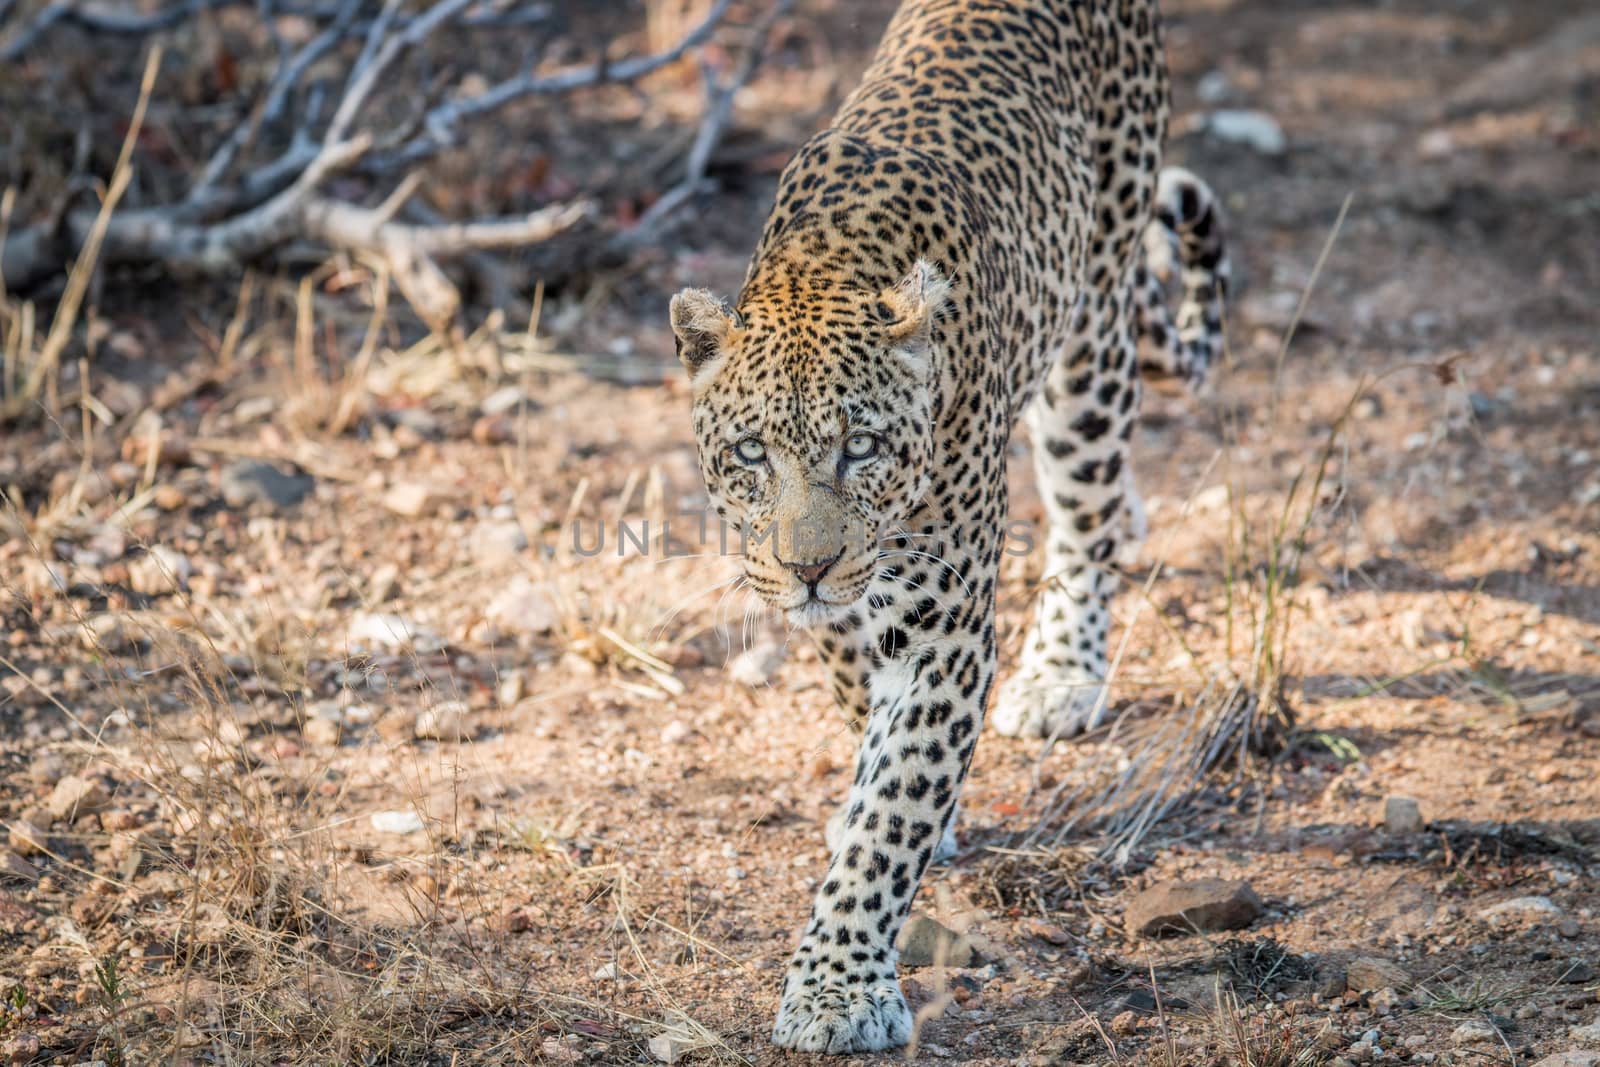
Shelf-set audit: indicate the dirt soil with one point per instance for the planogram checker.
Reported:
(375, 763)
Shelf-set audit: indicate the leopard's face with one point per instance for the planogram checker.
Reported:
(813, 419)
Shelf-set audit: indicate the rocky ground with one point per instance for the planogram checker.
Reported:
(323, 741)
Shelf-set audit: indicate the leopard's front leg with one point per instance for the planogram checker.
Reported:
(927, 695)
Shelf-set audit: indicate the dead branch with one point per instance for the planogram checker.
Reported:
(719, 110)
(235, 213)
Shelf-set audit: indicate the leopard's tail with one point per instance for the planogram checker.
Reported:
(1186, 234)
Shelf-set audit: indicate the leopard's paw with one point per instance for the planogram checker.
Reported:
(1035, 704)
(838, 1019)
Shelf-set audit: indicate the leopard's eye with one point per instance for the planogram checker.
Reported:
(861, 445)
(751, 450)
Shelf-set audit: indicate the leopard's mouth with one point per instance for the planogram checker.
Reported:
(816, 611)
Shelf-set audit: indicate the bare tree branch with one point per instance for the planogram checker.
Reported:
(719, 110)
(348, 226)
(283, 82)
(225, 222)
(441, 122)
(375, 59)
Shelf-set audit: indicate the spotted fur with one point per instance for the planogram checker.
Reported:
(964, 246)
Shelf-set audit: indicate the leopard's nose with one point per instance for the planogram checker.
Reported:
(811, 573)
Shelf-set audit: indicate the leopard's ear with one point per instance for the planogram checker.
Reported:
(910, 307)
(702, 324)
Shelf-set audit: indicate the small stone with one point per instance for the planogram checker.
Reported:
(754, 667)
(1255, 129)
(113, 632)
(512, 688)
(1368, 974)
(446, 721)
(1568, 928)
(925, 942)
(494, 430)
(383, 584)
(1529, 908)
(1385, 1000)
(1573, 972)
(675, 732)
(249, 481)
(561, 1050)
(26, 838)
(1402, 815)
(1213, 87)
(496, 543)
(48, 769)
(377, 632)
(24, 1048)
(119, 820)
(1474, 1032)
(1125, 1023)
(14, 868)
(74, 796)
(160, 571)
(396, 822)
(505, 399)
(1573, 1058)
(411, 499)
(169, 497)
(319, 731)
(522, 607)
(1048, 932)
(607, 972)
(1591, 1032)
(515, 921)
(1331, 984)
(1203, 905)
(671, 1046)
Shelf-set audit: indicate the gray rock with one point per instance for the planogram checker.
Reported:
(1254, 129)
(160, 571)
(1368, 974)
(449, 720)
(396, 822)
(1527, 908)
(13, 868)
(496, 542)
(505, 399)
(522, 607)
(1402, 815)
(1474, 1032)
(1576, 972)
(672, 1046)
(1203, 905)
(1572, 1058)
(412, 500)
(379, 632)
(319, 731)
(26, 839)
(754, 667)
(74, 796)
(925, 942)
(250, 481)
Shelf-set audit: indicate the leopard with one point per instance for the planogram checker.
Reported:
(984, 235)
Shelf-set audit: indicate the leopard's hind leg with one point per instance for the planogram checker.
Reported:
(1082, 420)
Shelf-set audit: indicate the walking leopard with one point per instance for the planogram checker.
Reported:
(981, 236)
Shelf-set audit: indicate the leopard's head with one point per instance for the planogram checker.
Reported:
(813, 417)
